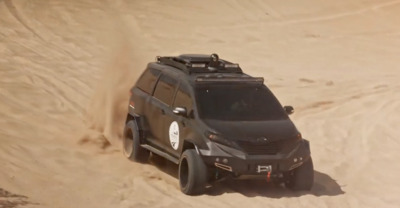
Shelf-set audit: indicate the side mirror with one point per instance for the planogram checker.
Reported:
(288, 109)
(180, 111)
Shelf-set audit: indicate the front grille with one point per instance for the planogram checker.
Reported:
(270, 148)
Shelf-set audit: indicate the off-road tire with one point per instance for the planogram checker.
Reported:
(131, 144)
(192, 173)
(301, 178)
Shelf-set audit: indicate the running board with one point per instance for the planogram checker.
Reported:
(161, 153)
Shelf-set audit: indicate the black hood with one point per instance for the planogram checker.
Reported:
(273, 130)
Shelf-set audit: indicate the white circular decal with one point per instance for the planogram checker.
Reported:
(174, 135)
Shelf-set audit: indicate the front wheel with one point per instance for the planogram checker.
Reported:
(131, 144)
(301, 178)
(192, 173)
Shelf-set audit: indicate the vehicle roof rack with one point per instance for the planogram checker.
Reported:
(194, 63)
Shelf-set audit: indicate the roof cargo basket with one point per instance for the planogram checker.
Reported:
(193, 63)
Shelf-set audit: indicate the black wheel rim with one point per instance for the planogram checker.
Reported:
(183, 173)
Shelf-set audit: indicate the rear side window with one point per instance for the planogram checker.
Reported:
(147, 81)
(165, 89)
(183, 98)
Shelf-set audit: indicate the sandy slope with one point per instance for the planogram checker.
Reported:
(65, 66)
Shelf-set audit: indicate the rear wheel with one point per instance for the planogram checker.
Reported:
(131, 143)
(192, 173)
(301, 178)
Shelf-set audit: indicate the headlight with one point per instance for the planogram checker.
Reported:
(215, 137)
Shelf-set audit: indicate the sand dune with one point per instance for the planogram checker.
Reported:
(66, 67)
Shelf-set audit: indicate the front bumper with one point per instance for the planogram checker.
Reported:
(239, 162)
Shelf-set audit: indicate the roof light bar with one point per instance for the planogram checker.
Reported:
(198, 65)
(231, 65)
(230, 79)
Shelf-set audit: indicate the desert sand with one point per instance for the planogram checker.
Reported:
(66, 68)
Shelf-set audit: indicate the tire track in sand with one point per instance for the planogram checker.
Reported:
(341, 15)
(14, 11)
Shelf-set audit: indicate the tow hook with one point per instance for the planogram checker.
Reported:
(269, 177)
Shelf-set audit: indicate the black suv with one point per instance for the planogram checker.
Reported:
(206, 115)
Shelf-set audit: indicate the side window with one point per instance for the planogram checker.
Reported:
(147, 81)
(183, 98)
(165, 89)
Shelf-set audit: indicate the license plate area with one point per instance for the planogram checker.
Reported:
(264, 168)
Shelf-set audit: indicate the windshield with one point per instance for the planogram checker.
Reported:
(238, 103)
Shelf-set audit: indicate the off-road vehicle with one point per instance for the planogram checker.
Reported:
(206, 115)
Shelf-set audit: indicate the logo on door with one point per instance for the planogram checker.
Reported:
(174, 135)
